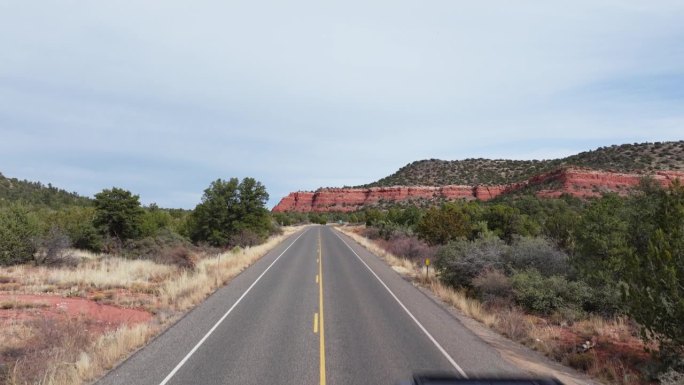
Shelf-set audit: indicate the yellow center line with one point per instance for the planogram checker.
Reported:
(320, 309)
(315, 322)
(316, 278)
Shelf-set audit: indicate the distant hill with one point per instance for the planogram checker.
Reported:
(629, 158)
(36, 193)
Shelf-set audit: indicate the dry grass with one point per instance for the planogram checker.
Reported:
(468, 306)
(190, 287)
(64, 352)
(538, 333)
(101, 273)
(19, 305)
(84, 254)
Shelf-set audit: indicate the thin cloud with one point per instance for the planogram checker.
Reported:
(163, 97)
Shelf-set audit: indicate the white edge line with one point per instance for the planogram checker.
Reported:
(187, 357)
(434, 341)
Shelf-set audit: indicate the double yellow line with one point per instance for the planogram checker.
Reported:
(318, 317)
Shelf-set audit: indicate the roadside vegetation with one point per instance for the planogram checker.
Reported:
(596, 284)
(83, 282)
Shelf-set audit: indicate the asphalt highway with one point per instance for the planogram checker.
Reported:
(318, 309)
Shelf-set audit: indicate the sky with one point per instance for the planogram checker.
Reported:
(163, 97)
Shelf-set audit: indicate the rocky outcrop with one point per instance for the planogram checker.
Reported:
(577, 182)
(351, 199)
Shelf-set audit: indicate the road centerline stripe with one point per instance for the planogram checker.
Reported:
(320, 310)
(315, 323)
(216, 325)
(422, 328)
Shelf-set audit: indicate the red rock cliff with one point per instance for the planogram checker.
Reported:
(577, 182)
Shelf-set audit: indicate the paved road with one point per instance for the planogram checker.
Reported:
(317, 309)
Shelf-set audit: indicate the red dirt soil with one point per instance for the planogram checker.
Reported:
(102, 317)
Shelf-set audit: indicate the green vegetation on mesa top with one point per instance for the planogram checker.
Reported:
(641, 157)
(36, 193)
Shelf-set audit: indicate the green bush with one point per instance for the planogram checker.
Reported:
(140, 248)
(86, 237)
(283, 219)
(77, 223)
(460, 261)
(18, 232)
(537, 253)
(166, 247)
(654, 271)
(492, 285)
(449, 222)
(154, 220)
(505, 221)
(544, 295)
(602, 239)
(318, 218)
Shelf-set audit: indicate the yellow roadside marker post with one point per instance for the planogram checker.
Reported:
(427, 268)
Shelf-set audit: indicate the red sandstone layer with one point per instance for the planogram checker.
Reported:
(577, 182)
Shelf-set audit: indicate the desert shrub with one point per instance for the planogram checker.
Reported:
(53, 248)
(671, 377)
(180, 256)
(318, 218)
(560, 225)
(77, 223)
(154, 220)
(17, 235)
(539, 254)
(460, 261)
(283, 219)
(492, 285)
(654, 272)
(505, 221)
(449, 222)
(86, 237)
(603, 299)
(372, 216)
(388, 230)
(407, 217)
(565, 316)
(246, 237)
(544, 295)
(602, 238)
(409, 247)
(167, 247)
(371, 233)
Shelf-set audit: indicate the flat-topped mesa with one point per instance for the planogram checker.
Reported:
(352, 199)
(583, 183)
